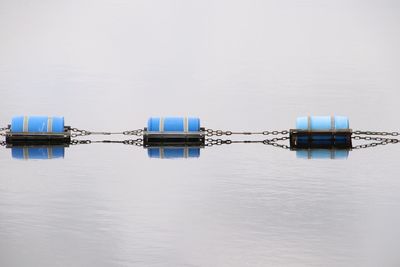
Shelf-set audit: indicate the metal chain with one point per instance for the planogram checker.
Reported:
(134, 142)
(138, 132)
(211, 132)
(273, 142)
(382, 141)
(4, 129)
(218, 142)
(78, 132)
(3, 143)
(213, 142)
(377, 133)
(370, 145)
(137, 142)
(80, 142)
(390, 140)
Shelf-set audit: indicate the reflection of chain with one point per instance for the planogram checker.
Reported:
(210, 132)
(381, 141)
(134, 142)
(80, 142)
(218, 142)
(377, 133)
(137, 142)
(271, 142)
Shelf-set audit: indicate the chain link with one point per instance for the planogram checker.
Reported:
(138, 132)
(137, 142)
(80, 142)
(134, 142)
(2, 131)
(218, 142)
(3, 143)
(273, 142)
(211, 132)
(377, 133)
(78, 132)
(370, 145)
(381, 141)
(369, 138)
(284, 132)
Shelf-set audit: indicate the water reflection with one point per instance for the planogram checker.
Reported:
(173, 152)
(322, 153)
(42, 152)
(306, 150)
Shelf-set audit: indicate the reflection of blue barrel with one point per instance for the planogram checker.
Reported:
(315, 123)
(173, 124)
(50, 152)
(173, 152)
(37, 124)
(322, 153)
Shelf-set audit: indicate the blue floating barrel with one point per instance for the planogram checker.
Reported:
(50, 152)
(173, 124)
(322, 153)
(37, 124)
(321, 132)
(173, 152)
(316, 123)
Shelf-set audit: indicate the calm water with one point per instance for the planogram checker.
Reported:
(238, 65)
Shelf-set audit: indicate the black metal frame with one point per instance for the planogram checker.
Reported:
(174, 139)
(313, 142)
(38, 139)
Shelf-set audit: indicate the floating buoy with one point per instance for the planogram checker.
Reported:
(173, 124)
(44, 130)
(173, 152)
(50, 152)
(321, 132)
(173, 131)
(37, 124)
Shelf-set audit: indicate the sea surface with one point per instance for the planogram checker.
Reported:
(238, 65)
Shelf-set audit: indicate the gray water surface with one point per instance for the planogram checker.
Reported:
(238, 65)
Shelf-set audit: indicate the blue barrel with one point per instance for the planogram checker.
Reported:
(322, 153)
(315, 123)
(50, 152)
(37, 124)
(173, 152)
(173, 124)
(322, 123)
